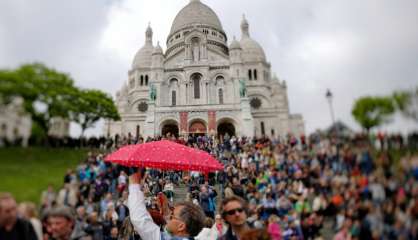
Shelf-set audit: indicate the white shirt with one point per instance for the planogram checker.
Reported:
(140, 218)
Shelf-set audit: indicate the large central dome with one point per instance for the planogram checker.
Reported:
(195, 13)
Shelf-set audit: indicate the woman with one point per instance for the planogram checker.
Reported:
(274, 228)
(27, 211)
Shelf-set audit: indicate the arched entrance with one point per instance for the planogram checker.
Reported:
(197, 127)
(226, 127)
(170, 128)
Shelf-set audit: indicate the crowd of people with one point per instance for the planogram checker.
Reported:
(271, 188)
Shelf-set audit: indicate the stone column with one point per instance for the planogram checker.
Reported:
(247, 118)
(149, 128)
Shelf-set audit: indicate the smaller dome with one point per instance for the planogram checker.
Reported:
(252, 51)
(143, 58)
(234, 44)
(157, 49)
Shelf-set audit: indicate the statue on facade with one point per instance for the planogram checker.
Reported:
(242, 88)
(196, 53)
(152, 93)
(195, 50)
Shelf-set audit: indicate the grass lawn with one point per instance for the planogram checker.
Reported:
(26, 172)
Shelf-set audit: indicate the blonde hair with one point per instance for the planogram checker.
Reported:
(28, 209)
(273, 218)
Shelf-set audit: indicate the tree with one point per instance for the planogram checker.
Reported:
(407, 103)
(46, 92)
(90, 106)
(370, 112)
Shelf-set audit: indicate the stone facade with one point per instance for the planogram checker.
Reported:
(15, 123)
(202, 85)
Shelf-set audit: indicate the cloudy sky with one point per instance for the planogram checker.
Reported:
(354, 48)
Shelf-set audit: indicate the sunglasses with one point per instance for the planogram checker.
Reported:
(233, 211)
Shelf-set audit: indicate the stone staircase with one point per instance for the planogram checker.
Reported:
(180, 193)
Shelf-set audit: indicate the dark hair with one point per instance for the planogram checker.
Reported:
(193, 216)
(233, 199)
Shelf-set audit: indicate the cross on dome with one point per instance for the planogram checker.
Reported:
(148, 33)
(245, 27)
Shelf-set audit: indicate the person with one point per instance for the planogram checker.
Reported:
(273, 227)
(185, 221)
(234, 212)
(27, 210)
(67, 196)
(219, 227)
(12, 227)
(48, 197)
(94, 227)
(61, 222)
(207, 233)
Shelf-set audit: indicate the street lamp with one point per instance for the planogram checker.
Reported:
(334, 127)
(329, 97)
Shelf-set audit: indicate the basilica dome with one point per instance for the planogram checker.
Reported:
(195, 13)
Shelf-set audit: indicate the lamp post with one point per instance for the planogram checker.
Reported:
(329, 97)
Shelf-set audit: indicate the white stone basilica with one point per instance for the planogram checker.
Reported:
(201, 85)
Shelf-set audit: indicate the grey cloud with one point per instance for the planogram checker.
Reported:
(355, 48)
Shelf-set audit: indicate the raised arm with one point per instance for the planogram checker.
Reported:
(140, 218)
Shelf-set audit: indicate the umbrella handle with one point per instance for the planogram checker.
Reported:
(133, 170)
(142, 171)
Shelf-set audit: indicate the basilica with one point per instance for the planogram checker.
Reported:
(202, 85)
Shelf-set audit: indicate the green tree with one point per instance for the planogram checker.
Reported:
(407, 103)
(90, 106)
(370, 112)
(46, 92)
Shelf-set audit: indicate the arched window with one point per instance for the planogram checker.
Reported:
(196, 85)
(255, 74)
(146, 80)
(250, 74)
(263, 130)
(220, 80)
(142, 80)
(173, 98)
(221, 96)
(173, 82)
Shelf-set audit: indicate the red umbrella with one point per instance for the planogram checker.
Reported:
(165, 155)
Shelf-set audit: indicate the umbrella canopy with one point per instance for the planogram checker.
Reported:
(165, 155)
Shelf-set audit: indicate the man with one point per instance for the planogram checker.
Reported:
(234, 212)
(61, 222)
(185, 221)
(12, 227)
